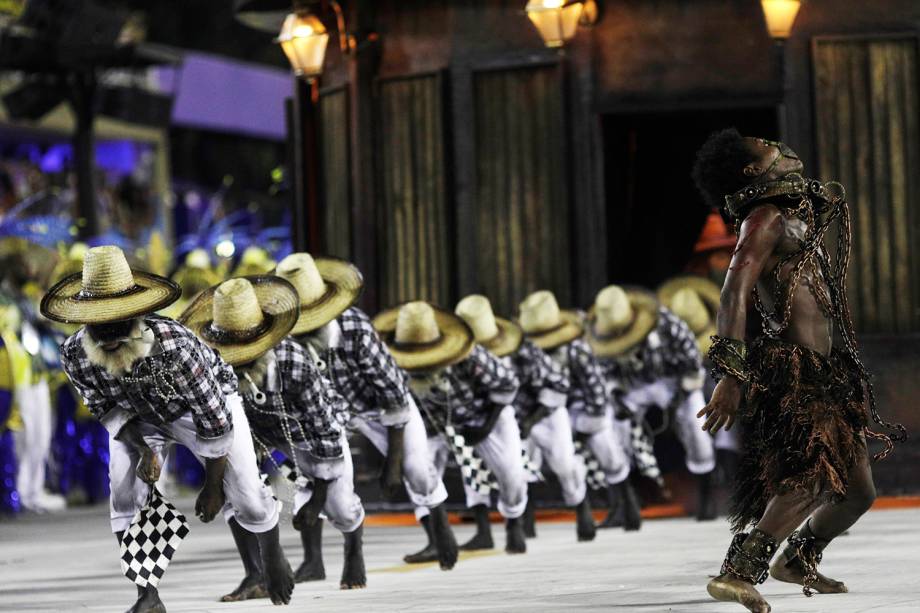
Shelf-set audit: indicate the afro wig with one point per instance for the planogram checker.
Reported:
(718, 170)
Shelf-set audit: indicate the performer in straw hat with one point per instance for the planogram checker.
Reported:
(651, 359)
(195, 275)
(379, 402)
(152, 383)
(559, 333)
(540, 408)
(462, 389)
(291, 408)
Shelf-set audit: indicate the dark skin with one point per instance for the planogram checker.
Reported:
(308, 514)
(391, 476)
(766, 237)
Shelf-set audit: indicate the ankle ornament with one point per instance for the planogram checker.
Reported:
(808, 549)
(749, 555)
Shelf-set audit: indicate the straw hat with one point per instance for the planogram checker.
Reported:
(327, 287)
(546, 324)
(254, 261)
(422, 337)
(107, 291)
(696, 301)
(620, 319)
(244, 317)
(498, 335)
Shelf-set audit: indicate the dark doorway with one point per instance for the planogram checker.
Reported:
(654, 213)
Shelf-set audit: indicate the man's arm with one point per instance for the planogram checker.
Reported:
(760, 233)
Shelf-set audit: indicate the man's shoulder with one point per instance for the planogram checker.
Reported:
(355, 323)
(762, 217)
(72, 347)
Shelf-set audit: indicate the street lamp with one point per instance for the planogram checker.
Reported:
(556, 20)
(303, 39)
(780, 15)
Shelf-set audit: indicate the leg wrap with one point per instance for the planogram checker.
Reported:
(806, 550)
(749, 556)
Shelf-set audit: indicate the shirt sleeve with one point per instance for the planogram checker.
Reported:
(491, 377)
(196, 379)
(541, 374)
(588, 375)
(680, 343)
(98, 405)
(387, 379)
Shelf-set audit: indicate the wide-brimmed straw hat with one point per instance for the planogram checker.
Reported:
(545, 324)
(244, 317)
(327, 287)
(107, 290)
(423, 337)
(500, 336)
(620, 319)
(695, 300)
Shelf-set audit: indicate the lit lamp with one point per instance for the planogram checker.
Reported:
(780, 15)
(303, 39)
(556, 20)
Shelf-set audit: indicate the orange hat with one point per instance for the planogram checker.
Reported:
(715, 235)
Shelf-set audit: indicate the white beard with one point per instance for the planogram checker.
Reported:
(120, 361)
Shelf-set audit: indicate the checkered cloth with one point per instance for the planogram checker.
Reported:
(151, 541)
(475, 473)
(670, 350)
(364, 371)
(595, 476)
(537, 373)
(643, 448)
(181, 374)
(294, 404)
(589, 385)
(464, 395)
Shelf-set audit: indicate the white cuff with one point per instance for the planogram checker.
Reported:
(551, 398)
(214, 447)
(327, 470)
(589, 424)
(114, 420)
(395, 417)
(503, 398)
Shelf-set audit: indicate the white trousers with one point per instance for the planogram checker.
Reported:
(423, 481)
(343, 507)
(33, 444)
(550, 443)
(698, 445)
(501, 452)
(252, 501)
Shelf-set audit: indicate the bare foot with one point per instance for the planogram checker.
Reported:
(584, 521)
(354, 576)
(314, 570)
(793, 573)
(480, 540)
(516, 542)
(148, 601)
(727, 588)
(279, 579)
(250, 587)
(428, 554)
(444, 539)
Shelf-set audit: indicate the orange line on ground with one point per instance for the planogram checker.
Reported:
(652, 512)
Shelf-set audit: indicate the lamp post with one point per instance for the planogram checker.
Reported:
(555, 20)
(780, 16)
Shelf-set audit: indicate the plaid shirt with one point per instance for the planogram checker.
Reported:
(365, 373)
(543, 381)
(669, 351)
(181, 374)
(295, 404)
(588, 393)
(465, 394)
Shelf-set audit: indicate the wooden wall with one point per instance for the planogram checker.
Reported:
(866, 106)
(522, 207)
(336, 175)
(414, 223)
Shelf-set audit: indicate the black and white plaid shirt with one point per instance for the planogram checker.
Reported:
(365, 373)
(465, 394)
(588, 393)
(669, 351)
(543, 381)
(181, 374)
(297, 404)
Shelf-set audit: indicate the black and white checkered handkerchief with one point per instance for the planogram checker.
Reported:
(644, 453)
(151, 541)
(595, 477)
(475, 473)
(530, 467)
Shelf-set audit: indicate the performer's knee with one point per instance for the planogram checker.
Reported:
(862, 497)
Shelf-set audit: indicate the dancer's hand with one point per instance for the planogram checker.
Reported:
(148, 467)
(210, 502)
(391, 477)
(723, 406)
(308, 514)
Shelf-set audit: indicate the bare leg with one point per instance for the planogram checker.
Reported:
(828, 522)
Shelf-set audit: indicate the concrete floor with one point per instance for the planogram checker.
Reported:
(69, 562)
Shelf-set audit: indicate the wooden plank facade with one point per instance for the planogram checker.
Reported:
(333, 108)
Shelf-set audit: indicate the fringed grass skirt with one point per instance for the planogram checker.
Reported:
(803, 420)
